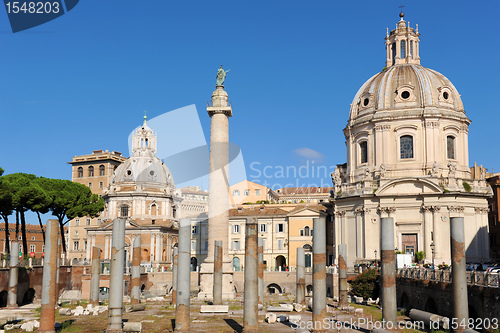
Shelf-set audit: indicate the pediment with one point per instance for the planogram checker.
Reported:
(304, 212)
(409, 186)
(129, 224)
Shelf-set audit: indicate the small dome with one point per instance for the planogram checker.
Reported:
(405, 87)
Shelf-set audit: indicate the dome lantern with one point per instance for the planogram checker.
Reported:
(402, 44)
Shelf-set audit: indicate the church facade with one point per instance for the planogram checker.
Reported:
(408, 158)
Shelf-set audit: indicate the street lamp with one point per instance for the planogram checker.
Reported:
(432, 249)
(375, 258)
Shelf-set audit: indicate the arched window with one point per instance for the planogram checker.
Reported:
(363, 150)
(411, 49)
(403, 49)
(306, 231)
(450, 147)
(80, 172)
(154, 209)
(406, 146)
(91, 171)
(124, 211)
(102, 170)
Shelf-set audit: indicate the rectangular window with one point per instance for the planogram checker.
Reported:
(194, 229)
(77, 222)
(450, 147)
(246, 192)
(257, 192)
(205, 246)
(280, 244)
(193, 245)
(406, 146)
(302, 232)
(100, 184)
(236, 193)
(76, 245)
(235, 245)
(403, 49)
(32, 248)
(99, 221)
(76, 233)
(363, 148)
(90, 185)
(263, 227)
(124, 211)
(280, 227)
(236, 228)
(88, 222)
(85, 245)
(263, 244)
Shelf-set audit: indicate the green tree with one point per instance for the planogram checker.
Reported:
(26, 195)
(6, 209)
(365, 284)
(69, 200)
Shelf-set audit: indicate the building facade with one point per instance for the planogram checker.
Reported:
(95, 171)
(494, 215)
(408, 158)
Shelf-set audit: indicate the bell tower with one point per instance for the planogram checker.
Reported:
(402, 44)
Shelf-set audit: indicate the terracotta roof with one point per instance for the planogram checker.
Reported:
(257, 211)
(317, 207)
(304, 190)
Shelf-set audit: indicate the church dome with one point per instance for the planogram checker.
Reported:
(143, 167)
(405, 87)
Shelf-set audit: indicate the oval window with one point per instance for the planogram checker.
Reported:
(445, 95)
(129, 172)
(366, 101)
(405, 94)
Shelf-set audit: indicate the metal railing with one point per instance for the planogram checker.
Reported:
(473, 278)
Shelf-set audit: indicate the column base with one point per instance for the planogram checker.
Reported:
(206, 282)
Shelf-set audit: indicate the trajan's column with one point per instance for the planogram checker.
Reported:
(219, 111)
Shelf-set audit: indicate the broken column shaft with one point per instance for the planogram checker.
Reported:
(116, 277)
(174, 275)
(319, 274)
(260, 286)
(459, 274)
(217, 291)
(182, 322)
(135, 292)
(250, 310)
(342, 275)
(388, 273)
(13, 274)
(301, 276)
(94, 278)
(49, 286)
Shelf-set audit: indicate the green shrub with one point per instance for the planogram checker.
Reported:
(365, 284)
(466, 186)
(419, 256)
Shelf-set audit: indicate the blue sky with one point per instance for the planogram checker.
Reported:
(82, 82)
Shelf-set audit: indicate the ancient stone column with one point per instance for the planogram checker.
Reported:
(342, 275)
(13, 274)
(458, 273)
(251, 300)
(388, 273)
(319, 274)
(219, 111)
(115, 324)
(95, 274)
(218, 273)
(174, 275)
(135, 292)
(49, 288)
(301, 276)
(182, 322)
(260, 250)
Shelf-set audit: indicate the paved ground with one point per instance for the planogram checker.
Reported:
(159, 317)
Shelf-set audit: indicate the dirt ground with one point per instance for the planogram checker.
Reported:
(160, 317)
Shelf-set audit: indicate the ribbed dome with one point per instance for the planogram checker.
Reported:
(405, 87)
(144, 169)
